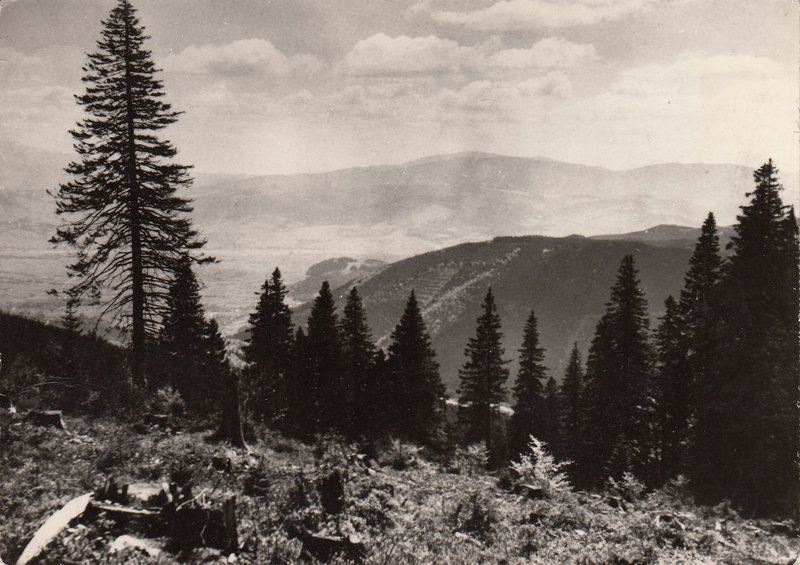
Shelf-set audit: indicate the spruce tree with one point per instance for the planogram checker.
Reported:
(358, 364)
(572, 415)
(268, 351)
(224, 384)
(673, 394)
(528, 390)
(414, 387)
(70, 363)
(325, 356)
(183, 341)
(618, 380)
(757, 400)
(128, 227)
(551, 432)
(703, 340)
(483, 379)
(302, 391)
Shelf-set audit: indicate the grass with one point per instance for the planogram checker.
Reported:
(403, 508)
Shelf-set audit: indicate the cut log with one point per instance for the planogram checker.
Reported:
(47, 419)
(53, 526)
(148, 522)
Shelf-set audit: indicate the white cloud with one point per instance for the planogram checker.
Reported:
(382, 55)
(505, 97)
(551, 52)
(241, 57)
(508, 15)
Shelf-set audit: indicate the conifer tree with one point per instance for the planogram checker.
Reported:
(757, 394)
(572, 414)
(183, 341)
(325, 356)
(528, 390)
(673, 394)
(618, 379)
(268, 351)
(483, 378)
(551, 432)
(70, 364)
(700, 316)
(224, 384)
(302, 392)
(129, 229)
(358, 363)
(414, 387)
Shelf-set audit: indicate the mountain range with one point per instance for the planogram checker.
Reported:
(385, 213)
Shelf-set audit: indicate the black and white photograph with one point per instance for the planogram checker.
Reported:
(399, 282)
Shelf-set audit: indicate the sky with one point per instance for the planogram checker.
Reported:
(289, 86)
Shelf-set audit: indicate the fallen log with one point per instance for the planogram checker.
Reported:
(46, 419)
(53, 526)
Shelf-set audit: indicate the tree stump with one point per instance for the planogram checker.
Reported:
(230, 428)
(331, 492)
(47, 419)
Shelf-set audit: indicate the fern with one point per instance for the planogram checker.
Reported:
(539, 468)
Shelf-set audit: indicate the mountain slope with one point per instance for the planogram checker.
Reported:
(670, 236)
(565, 280)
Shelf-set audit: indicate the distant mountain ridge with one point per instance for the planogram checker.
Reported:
(255, 223)
(565, 280)
(670, 236)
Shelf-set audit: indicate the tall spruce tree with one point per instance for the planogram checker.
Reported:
(757, 399)
(703, 340)
(413, 384)
(572, 415)
(483, 379)
(325, 355)
(129, 228)
(183, 342)
(528, 390)
(358, 364)
(673, 394)
(268, 351)
(618, 372)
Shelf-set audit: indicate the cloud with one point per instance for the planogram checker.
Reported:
(382, 55)
(503, 97)
(508, 15)
(551, 52)
(239, 58)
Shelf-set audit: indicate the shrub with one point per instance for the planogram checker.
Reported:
(472, 459)
(166, 400)
(476, 516)
(629, 487)
(539, 468)
(400, 455)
